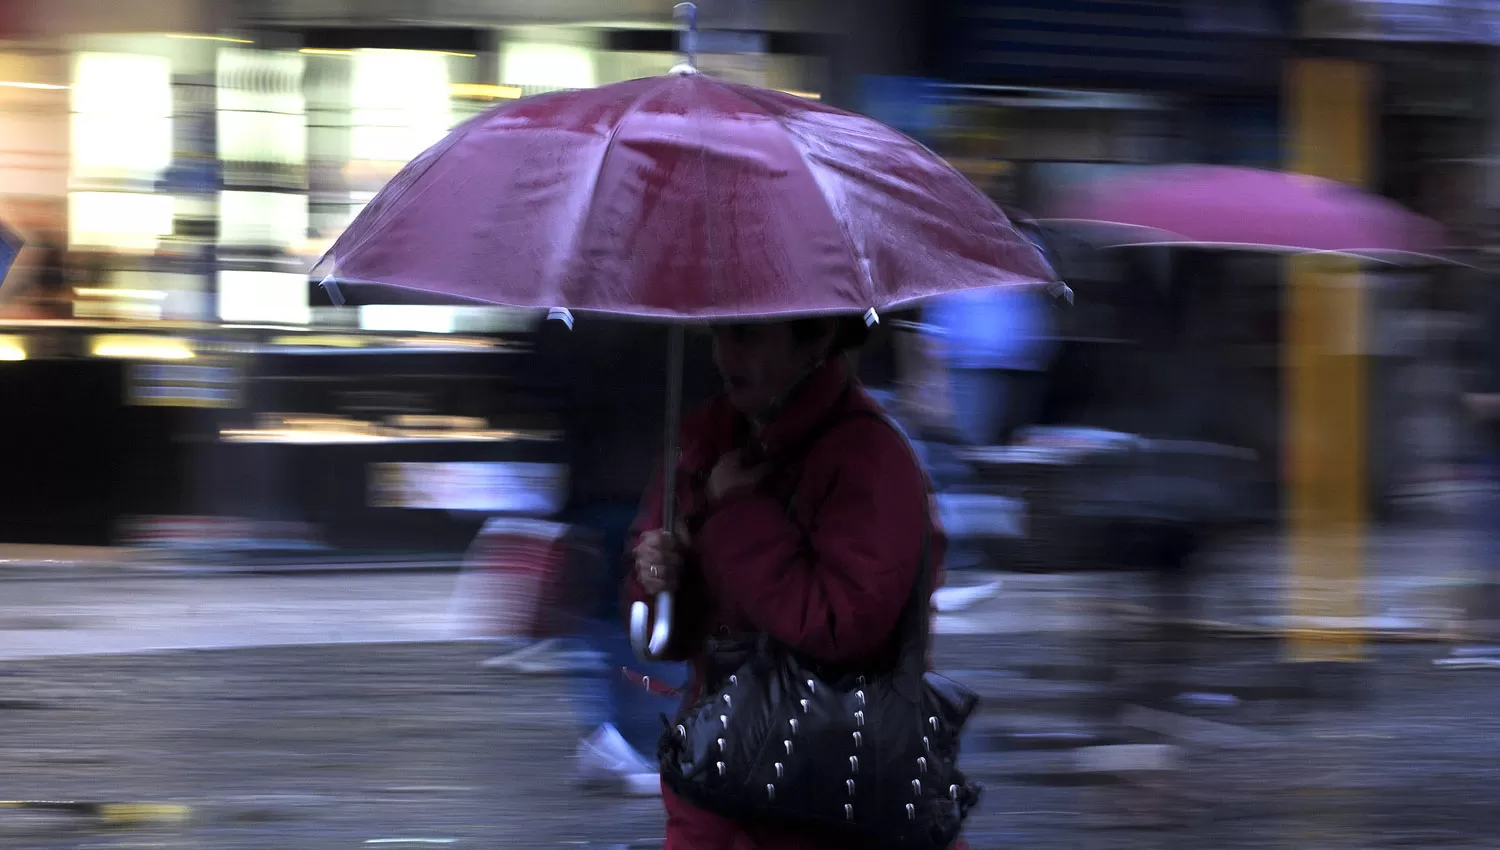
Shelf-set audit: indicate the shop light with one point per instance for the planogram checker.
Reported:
(319, 341)
(325, 51)
(400, 104)
(479, 91)
(806, 95)
(12, 348)
(422, 318)
(261, 297)
(4, 84)
(553, 66)
(121, 294)
(130, 347)
(123, 221)
(198, 37)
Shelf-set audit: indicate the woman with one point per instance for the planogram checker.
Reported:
(803, 517)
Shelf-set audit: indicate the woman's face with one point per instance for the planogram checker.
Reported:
(760, 362)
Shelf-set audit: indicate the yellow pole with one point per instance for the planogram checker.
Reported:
(1329, 106)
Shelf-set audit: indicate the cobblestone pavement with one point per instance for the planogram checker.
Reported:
(413, 745)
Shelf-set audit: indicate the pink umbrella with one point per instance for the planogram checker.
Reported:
(679, 198)
(1247, 208)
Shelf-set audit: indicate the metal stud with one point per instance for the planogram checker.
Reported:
(722, 748)
(788, 745)
(848, 812)
(805, 705)
(916, 787)
(859, 718)
(728, 702)
(849, 784)
(933, 721)
(771, 792)
(911, 812)
(721, 768)
(854, 764)
(724, 720)
(922, 763)
(734, 680)
(812, 686)
(859, 739)
(780, 769)
(860, 695)
(681, 731)
(793, 724)
(926, 744)
(860, 680)
(953, 791)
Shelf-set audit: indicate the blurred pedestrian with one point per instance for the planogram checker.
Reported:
(609, 393)
(1482, 403)
(803, 517)
(54, 295)
(996, 345)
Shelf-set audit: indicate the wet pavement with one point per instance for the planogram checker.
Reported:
(412, 745)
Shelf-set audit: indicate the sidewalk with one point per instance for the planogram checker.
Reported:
(1414, 582)
(58, 562)
(1413, 587)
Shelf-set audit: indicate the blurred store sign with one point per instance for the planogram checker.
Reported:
(1239, 17)
(1455, 21)
(215, 533)
(1121, 44)
(71, 17)
(184, 385)
(326, 430)
(1422, 83)
(781, 14)
(534, 489)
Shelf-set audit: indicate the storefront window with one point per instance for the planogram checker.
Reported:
(121, 136)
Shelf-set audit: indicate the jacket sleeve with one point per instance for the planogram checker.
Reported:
(689, 606)
(837, 591)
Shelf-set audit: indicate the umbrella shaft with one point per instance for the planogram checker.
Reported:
(676, 351)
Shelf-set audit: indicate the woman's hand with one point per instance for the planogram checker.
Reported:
(658, 562)
(730, 476)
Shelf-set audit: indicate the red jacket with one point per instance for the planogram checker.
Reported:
(832, 582)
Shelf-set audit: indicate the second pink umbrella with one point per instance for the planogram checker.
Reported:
(1232, 207)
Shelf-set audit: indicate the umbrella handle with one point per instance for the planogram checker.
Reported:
(649, 647)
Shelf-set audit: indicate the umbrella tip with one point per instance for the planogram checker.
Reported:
(335, 295)
(687, 18)
(561, 314)
(872, 318)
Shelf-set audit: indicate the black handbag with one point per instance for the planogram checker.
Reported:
(863, 756)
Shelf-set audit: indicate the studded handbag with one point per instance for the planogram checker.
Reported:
(865, 756)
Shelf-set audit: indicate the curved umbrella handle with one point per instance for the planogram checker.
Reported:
(649, 647)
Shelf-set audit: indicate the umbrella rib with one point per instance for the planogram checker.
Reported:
(443, 147)
(587, 219)
(860, 269)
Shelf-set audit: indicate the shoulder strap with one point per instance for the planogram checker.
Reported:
(913, 625)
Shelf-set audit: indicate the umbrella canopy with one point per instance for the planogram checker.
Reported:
(1223, 206)
(679, 197)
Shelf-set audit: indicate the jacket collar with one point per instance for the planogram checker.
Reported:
(808, 406)
(724, 429)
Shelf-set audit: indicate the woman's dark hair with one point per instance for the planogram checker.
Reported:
(849, 332)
